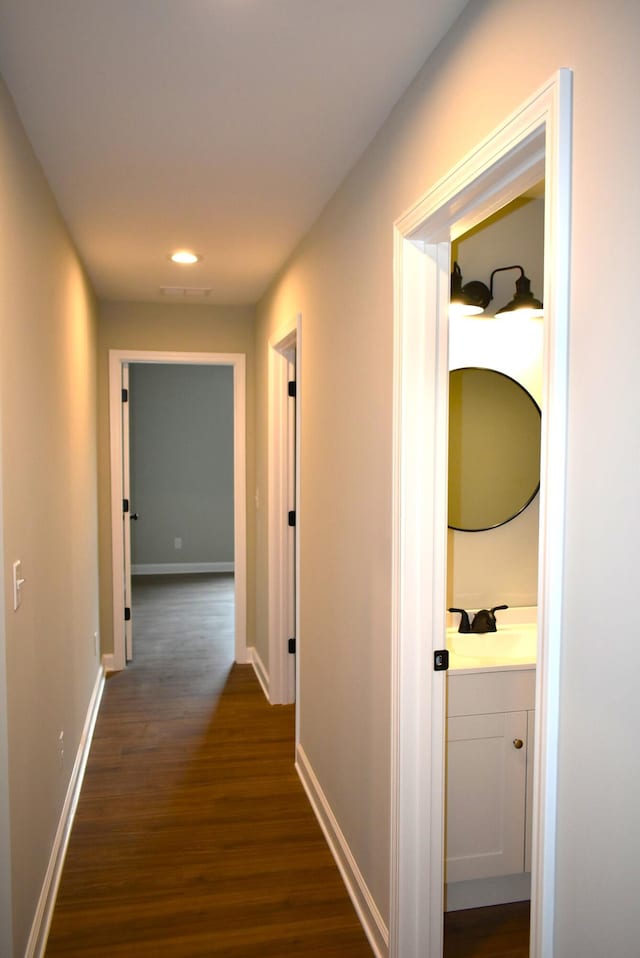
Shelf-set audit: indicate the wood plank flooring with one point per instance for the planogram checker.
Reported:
(193, 836)
(498, 932)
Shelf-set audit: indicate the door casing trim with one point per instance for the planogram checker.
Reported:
(283, 679)
(533, 143)
(117, 357)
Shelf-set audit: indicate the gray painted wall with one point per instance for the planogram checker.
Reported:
(49, 522)
(181, 420)
(341, 280)
(171, 327)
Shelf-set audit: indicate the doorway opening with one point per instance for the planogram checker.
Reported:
(180, 509)
(119, 363)
(532, 145)
(495, 400)
(284, 513)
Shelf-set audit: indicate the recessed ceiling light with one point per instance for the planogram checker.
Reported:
(185, 257)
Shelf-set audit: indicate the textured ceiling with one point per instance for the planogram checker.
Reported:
(221, 125)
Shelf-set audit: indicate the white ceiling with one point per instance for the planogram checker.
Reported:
(220, 125)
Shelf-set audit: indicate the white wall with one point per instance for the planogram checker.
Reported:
(341, 279)
(170, 327)
(181, 463)
(500, 565)
(49, 501)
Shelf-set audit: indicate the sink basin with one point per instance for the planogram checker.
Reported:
(512, 644)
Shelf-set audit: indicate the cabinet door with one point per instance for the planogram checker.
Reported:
(486, 783)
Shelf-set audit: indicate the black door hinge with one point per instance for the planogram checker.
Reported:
(291, 388)
(292, 517)
(125, 395)
(125, 505)
(127, 613)
(292, 646)
(441, 660)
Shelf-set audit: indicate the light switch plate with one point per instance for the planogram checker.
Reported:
(18, 582)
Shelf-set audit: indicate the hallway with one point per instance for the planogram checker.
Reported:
(193, 835)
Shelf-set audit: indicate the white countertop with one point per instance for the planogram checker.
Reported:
(513, 645)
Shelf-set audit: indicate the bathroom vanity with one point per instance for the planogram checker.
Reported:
(490, 721)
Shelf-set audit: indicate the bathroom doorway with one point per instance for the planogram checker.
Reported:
(495, 398)
(533, 144)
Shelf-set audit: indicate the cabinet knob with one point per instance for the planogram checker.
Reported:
(518, 743)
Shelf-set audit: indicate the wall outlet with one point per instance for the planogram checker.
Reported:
(96, 645)
(61, 749)
(177, 543)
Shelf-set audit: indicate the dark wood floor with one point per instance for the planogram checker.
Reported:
(193, 836)
(498, 932)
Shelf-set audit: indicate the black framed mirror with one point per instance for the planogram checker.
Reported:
(494, 449)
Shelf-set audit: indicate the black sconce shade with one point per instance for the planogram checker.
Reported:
(523, 299)
(473, 298)
(470, 299)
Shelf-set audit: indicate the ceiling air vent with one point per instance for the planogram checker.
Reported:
(185, 291)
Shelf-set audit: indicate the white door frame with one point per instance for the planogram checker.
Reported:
(118, 357)
(6, 888)
(533, 143)
(283, 673)
(126, 516)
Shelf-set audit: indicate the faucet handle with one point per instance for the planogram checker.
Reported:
(498, 608)
(465, 625)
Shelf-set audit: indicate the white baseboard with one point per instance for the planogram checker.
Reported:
(481, 892)
(108, 661)
(258, 667)
(371, 919)
(46, 903)
(178, 568)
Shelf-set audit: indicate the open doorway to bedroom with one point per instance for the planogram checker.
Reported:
(181, 505)
(166, 519)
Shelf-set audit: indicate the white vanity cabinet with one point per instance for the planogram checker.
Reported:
(489, 772)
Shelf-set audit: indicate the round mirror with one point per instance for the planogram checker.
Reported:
(494, 449)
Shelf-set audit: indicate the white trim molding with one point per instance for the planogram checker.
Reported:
(180, 568)
(107, 663)
(362, 899)
(283, 346)
(481, 892)
(262, 674)
(6, 890)
(37, 942)
(117, 358)
(532, 144)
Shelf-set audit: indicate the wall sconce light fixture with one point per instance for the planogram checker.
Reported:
(474, 297)
(467, 300)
